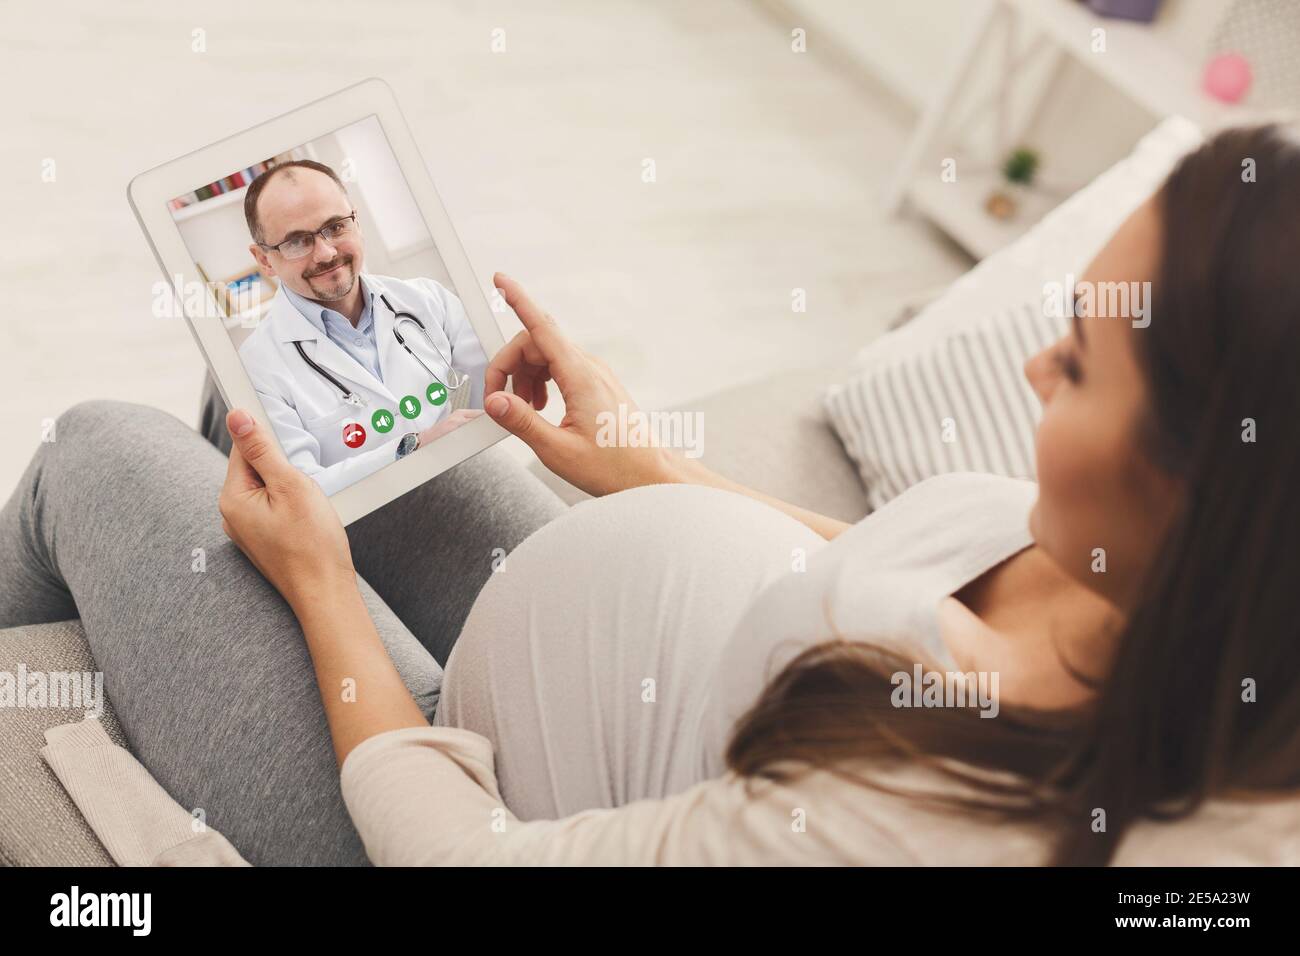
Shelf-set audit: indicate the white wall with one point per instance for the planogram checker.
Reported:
(905, 43)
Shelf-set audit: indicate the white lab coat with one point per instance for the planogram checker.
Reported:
(309, 413)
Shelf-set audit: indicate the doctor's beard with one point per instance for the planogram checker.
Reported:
(337, 284)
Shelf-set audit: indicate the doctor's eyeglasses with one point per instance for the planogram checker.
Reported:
(302, 243)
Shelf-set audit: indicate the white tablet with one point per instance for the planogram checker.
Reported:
(329, 294)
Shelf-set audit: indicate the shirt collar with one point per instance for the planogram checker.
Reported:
(319, 315)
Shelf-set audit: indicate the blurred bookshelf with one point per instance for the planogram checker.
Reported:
(197, 208)
(228, 189)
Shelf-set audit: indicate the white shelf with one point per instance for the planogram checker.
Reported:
(958, 209)
(1139, 59)
(210, 204)
(1157, 67)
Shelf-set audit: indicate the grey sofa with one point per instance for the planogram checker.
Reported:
(784, 448)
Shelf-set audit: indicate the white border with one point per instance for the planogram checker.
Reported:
(150, 192)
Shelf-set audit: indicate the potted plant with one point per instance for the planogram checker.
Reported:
(1018, 171)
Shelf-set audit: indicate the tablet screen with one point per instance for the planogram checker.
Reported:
(324, 274)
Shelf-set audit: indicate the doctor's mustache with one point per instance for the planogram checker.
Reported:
(322, 269)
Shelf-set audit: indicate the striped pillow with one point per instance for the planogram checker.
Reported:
(957, 403)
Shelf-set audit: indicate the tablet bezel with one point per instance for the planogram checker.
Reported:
(150, 192)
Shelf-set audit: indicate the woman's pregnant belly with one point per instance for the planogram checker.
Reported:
(588, 657)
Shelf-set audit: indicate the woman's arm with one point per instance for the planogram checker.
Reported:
(574, 449)
(359, 686)
(283, 522)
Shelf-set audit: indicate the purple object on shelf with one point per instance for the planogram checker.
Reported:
(1143, 11)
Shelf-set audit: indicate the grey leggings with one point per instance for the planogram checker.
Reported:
(116, 522)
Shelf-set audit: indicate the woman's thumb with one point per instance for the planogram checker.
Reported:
(520, 419)
(255, 444)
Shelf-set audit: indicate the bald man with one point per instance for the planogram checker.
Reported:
(348, 385)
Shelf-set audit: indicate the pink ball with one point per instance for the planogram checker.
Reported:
(1227, 77)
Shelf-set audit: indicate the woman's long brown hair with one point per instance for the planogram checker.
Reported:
(1203, 698)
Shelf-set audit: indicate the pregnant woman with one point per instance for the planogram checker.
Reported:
(685, 671)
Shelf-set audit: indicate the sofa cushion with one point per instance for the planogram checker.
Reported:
(39, 823)
(963, 404)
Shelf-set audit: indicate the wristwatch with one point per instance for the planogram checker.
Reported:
(410, 441)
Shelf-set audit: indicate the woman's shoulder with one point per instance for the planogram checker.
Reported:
(960, 495)
(895, 556)
(937, 530)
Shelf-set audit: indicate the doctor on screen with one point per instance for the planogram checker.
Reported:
(354, 370)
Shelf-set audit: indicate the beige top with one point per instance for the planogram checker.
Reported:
(429, 797)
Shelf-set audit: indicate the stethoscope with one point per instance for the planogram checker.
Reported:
(454, 381)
